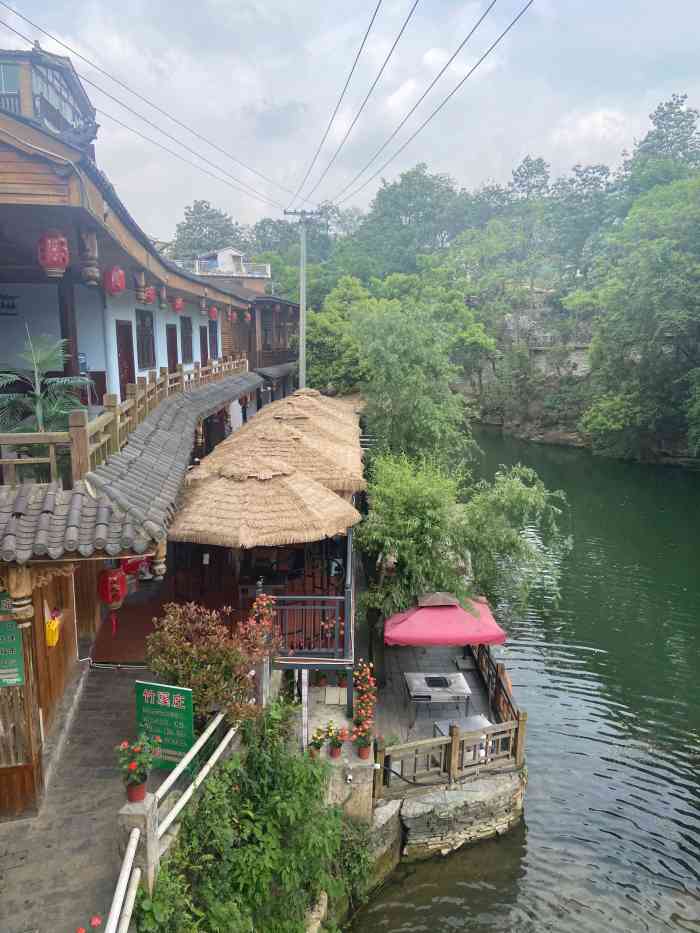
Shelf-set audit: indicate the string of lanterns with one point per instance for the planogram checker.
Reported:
(53, 255)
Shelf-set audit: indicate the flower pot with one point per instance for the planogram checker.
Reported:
(322, 681)
(135, 792)
(335, 751)
(363, 751)
(313, 752)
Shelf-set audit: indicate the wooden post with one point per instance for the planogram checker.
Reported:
(159, 559)
(180, 377)
(165, 376)
(520, 739)
(197, 373)
(453, 763)
(379, 757)
(142, 393)
(152, 389)
(79, 444)
(111, 405)
(69, 330)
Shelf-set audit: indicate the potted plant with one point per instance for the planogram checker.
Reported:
(321, 679)
(362, 737)
(316, 741)
(335, 739)
(342, 678)
(135, 762)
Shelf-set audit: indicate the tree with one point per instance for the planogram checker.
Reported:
(335, 358)
(530, 179)
(205, 228)
(647, 310)
(49, 399)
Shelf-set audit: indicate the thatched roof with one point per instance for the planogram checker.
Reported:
(338, 466)
(321, 424)
(258, 500)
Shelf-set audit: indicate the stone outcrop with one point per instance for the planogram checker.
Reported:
(445, 819)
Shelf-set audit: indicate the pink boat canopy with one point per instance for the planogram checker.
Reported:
(438, 619)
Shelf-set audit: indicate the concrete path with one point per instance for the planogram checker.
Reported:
(60, 868)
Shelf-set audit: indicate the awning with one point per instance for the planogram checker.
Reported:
(445, 625)
(273, 373)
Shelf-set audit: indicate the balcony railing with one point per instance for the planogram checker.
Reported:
(88, 442)
(250, 270)
(9, 101)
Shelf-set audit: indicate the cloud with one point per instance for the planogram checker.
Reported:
(573, 82)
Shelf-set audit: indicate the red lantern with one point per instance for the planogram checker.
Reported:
(112, 588)
(234, 317)
(177, 304)
(247, 317)
(53, 253)
(150, 295)
(114, 280)
(212, 313)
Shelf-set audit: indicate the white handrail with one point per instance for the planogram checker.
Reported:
(182, 764)
(182, 801)
(124, 874)
(129, 901)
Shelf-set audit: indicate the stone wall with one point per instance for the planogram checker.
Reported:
(350, 786)
(447, 818)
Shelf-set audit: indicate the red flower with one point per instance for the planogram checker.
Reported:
(82, 929)
(95, 921)
(124, 744)
(132, 767)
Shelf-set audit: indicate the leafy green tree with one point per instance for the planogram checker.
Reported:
(205, 228)
(647, 343)
(335, 357)
(530, 179)
(46, 401)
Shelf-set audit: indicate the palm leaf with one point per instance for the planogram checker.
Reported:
(44, 354)
(78, 382)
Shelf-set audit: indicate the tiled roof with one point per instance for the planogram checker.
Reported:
(126, 504)
(278, 371)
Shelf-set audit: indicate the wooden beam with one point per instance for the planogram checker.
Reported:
(69, 330)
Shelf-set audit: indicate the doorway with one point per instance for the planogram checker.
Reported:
(125, 356)
(204, 345)
(171, 337)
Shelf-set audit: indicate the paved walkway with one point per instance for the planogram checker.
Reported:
(60, 868)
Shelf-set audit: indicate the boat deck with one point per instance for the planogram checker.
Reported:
(394, 712)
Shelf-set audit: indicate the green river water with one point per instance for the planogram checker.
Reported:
(610, 677)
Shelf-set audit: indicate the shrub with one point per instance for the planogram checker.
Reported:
(193, 647)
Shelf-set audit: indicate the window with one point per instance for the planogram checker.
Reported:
(145, 342)
(54, 101)
(9, 88)
(214, 340)
(186, 339)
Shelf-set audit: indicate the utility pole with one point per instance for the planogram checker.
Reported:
(304, 217)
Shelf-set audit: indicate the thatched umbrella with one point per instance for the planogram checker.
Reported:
(258, 501)
(336, 466)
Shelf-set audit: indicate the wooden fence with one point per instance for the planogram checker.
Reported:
(87, 443)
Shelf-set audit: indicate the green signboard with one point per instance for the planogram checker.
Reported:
(5, 605)
(167, 712)
(11, 655)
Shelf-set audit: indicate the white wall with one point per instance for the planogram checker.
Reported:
(36, 308)
(123, 308)
(89, 322)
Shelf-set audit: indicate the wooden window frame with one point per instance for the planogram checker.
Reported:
(186, 345)
(145, 339)
(213, 340)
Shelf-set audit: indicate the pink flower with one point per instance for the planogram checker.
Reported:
(95, 921)
(124, 744)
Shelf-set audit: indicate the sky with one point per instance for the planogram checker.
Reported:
(573, 82)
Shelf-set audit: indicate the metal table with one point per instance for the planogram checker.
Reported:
(428, 689)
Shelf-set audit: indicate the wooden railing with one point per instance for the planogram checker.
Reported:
(448, 759)
(87, 442)
(311, 626)
(496, 683)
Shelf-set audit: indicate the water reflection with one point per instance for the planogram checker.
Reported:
(611, 681)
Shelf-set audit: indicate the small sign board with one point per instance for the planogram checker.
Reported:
(166, 711)
(11, 655)
(5, 605)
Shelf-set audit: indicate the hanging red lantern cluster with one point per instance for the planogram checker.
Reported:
(150, 295)
(212, 313)
(53, 253)
(177, 304)
(112, 589)
(114, 280)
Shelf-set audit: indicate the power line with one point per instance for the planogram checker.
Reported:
(337, 106)
(171, 152)
(244, 185)
(367, 97)
(419, 101)
(145, 100)
(442, 103)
